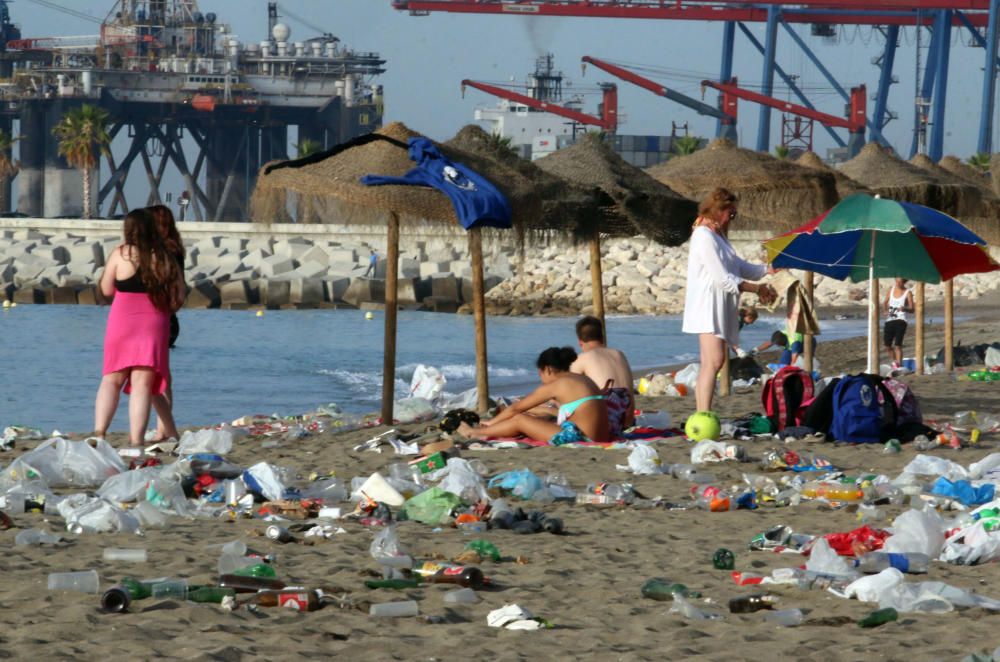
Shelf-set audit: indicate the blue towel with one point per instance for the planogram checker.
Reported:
(477, 202)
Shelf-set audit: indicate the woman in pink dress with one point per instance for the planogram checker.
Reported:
(147, 286)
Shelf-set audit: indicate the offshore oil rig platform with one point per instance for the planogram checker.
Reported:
(185, 91)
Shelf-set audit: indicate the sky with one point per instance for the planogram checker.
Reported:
(427, 57)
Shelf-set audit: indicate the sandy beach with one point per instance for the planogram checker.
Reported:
(586, 582)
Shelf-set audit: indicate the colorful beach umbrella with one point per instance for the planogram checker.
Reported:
(865, 237)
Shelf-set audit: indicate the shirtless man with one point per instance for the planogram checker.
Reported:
(604, 365)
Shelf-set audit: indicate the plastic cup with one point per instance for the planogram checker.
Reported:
(171, 588)
(787, 617)
(149, 515)
(394, 609)
(234, 489)
(128, 555)
(85, 581)
(230, 563)
(235, 547)
(462, 596)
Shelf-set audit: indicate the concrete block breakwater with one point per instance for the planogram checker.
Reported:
(249, 265)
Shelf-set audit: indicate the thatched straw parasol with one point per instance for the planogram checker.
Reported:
(845, 185)
(643, 205)
(956, 166)
(328, 183)
(775, 195)
(970, 202)
(569, 207)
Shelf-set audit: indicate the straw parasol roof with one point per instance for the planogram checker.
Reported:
(775, 195)
(972, 198)
(896, 179)
(327, 184)
(956, 166)
(567, 207)
(845, 185)
(642, 204)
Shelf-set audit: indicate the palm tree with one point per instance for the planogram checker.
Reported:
(308, 147)
(980, 161)
(781, 151)
(8, 167)
(685, 145)
(501, 144)
(83, 137)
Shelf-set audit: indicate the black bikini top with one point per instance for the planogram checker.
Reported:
(131, 284)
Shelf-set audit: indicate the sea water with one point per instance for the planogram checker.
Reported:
(230, 363)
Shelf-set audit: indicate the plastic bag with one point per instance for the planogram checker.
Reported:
(645, 460)
(688, 376)
(413, 410)
(168, 495)
(265, 479)
(206, 441)
(933, 597)
(825, 561)
(128, 486)
(464, 480)
(930, 465)
(84, 514)
(871, 587)
(992, 357)
(464, 400)
(917, 531)
(386, 550)
(963, 491)
(63, 463)
(433, 506)
(427, 383)
(522, 482)
(706, 451)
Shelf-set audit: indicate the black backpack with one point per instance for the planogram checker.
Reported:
(819, 414)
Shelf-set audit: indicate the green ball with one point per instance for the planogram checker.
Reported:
(702, 425)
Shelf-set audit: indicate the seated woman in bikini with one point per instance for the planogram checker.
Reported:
(583, 414)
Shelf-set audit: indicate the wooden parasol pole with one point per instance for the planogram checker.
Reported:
(807, 339)
(391, 297)
(918, 313)
(949, 325)
(597, 280)
(479, 314)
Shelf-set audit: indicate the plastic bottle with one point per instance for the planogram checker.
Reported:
(443, 573)
(835, 491)
(713, 499)
(746, 604)
(128, 555)
(394, 609)
(664, 591)
(297, 599)
(911, 562)
(785, 617)
(879, 617)
(242, 584)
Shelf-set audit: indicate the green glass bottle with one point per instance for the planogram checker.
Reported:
(256, 570)
(137, 590)
(213, 594)
(664, 591)
(879, 617)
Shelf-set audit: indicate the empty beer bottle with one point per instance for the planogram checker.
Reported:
(297, 599)
(256, 570)
(664, 591)
(749, 603)
(213, 594)
(445, 573)
(242, 584)
(879, 617)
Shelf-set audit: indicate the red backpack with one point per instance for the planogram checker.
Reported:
(784, 394)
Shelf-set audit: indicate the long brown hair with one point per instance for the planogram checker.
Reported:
(157, 268)
(712, 204)
(164, 219)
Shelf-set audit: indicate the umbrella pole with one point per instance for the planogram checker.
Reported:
(872, 312)
(479, 314)
(807, 349)
(597, 280)
(389, 351)
(918, 312)
(949, 325)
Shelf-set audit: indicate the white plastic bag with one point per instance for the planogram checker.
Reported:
(917, 531)
(63, 463)
(688, 375)
(825, 561)
(413, 410)
(871, 588)
(464, 400)
(707, 451)
(931, 465)
(86, 514)
(266, 479)
(464, 480)
(645, 460)
(427, 383)
(128, 486)
(206, 441)
(992, 357)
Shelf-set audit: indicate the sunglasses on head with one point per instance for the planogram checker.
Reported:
(732, 213)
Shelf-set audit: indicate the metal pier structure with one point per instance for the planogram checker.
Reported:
(183, 91)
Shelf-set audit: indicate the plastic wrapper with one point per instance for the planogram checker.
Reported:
(464, 480)
(432, 506)
(128, 486)
(63, 463)
(206, 441)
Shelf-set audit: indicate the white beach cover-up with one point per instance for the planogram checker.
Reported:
(715, 271)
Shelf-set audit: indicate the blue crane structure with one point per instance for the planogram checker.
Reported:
(978, 17)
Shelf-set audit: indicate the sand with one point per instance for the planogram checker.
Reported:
(585, 582)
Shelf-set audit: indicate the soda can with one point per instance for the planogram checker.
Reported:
(278, 534)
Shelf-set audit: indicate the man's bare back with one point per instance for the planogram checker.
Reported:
(602, 364)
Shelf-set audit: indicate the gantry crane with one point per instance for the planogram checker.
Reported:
(607, 121)
(726, 116)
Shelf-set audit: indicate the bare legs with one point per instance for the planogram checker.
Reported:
(713, 351)
(140, 401)
(166, 427)
(522, 424)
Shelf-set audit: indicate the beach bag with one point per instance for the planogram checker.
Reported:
(859, 414)
(784, 393)
(907, 405)
(819, 413)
